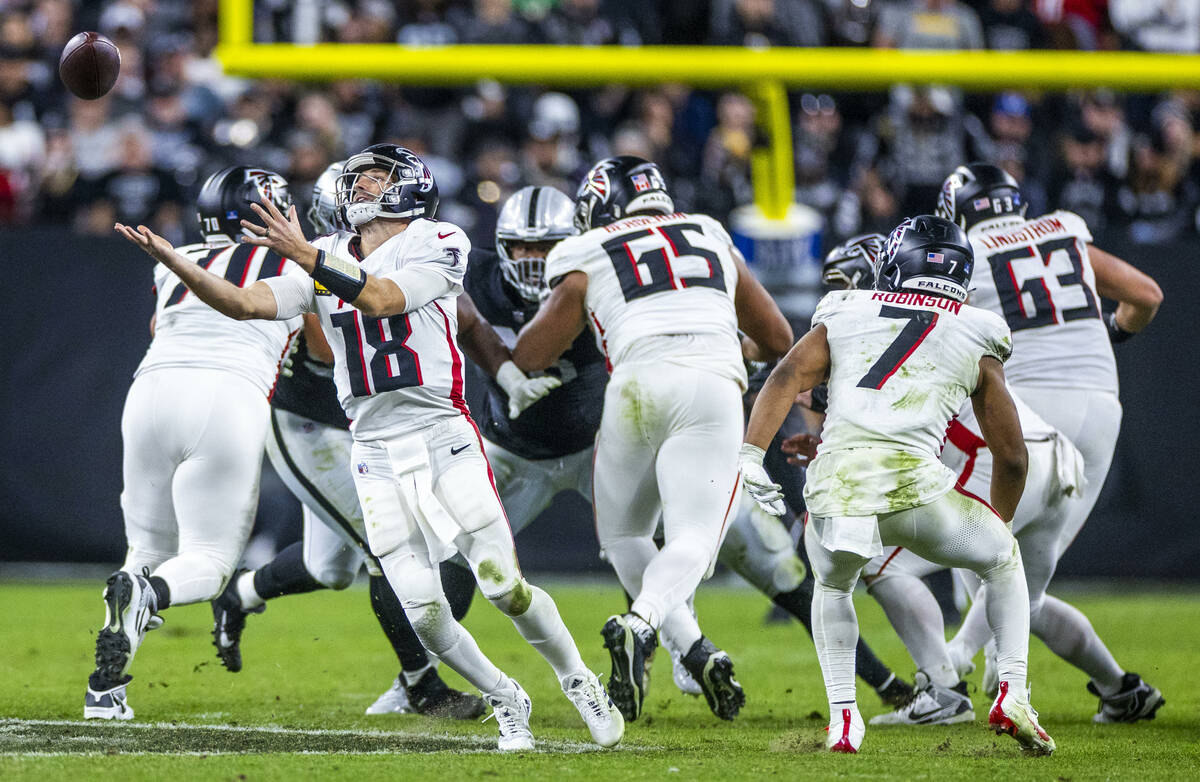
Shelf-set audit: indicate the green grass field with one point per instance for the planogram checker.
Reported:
(314, 662)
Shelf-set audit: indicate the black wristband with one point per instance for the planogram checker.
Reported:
(341, 278)
(1115, 332)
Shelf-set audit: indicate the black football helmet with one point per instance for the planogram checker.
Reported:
(225, 199)
(926, 254)
(851, 264)
(977, 192)
(405, 193)
(617, 187)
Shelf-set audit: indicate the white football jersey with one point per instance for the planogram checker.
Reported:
(959, 449)
(902, 364)
(1037, 276)
(399, 374)
(189, 333)
(660, 288)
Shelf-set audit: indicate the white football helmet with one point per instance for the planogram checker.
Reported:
(324, 214)
(532, 214)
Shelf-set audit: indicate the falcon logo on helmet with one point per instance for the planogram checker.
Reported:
(405, 190)
(226, 197)
(617, 187)
(851, 264)
(926, 254)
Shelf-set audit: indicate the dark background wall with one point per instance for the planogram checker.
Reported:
(75, 325)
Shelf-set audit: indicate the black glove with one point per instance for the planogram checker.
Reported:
(820, 398)
(1115, 333)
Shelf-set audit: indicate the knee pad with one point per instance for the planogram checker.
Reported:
(759, 549)
(433, 624)
(515, 601)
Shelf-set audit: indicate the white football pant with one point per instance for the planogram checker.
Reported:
(193, 442)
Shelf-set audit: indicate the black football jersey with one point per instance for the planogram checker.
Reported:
(309, 390)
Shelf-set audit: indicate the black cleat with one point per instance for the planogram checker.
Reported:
(1136, 701)
(630, 652)
(713, 669)
(896, 692)
(432, 697)
(229, 619)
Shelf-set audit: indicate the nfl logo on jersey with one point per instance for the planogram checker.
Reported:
(935, 258)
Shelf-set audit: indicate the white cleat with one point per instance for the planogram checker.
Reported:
(107, 705)
(602, 717)
(932, 704)
(683, 680)
(393, 701)
(511, 708)
(846, 732)
(1015, 717)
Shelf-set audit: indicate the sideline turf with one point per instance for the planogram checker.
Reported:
(314, 662)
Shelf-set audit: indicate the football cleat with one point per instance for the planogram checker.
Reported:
(683, 680)
(128, 607)
(895, 692)
(713, 669)
(932, 704)
(432, 697)
(600, 714)
(630, 651)
(511, 709)
(393, 701)
(845, 732)
(1017, 718)
(107, 704)
(229, 620)
(1136, 701)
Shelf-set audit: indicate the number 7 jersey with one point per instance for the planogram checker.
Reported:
(1038, 277)
(660, 288)
(901, 365)
(401, 373)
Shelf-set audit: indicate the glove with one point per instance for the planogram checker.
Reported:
(523, 390)
(755, 480)
(1115, 333)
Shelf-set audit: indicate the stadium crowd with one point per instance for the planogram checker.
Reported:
(1127, 163)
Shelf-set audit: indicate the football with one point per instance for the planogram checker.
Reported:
(89, 65)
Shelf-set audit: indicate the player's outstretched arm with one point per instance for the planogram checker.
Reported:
(1137, 294)
(558, 322)
(483, 345)
(1001, 428)
(759, 317)
(254, 302)
(805, 365)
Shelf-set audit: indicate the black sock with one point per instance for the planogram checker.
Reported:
(395, 626)
(162, 593)
(798, 603)
(458, 583)
(285, 575)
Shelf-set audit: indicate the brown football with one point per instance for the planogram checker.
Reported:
(89, 65)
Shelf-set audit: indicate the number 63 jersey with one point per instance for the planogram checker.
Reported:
(398, 374)
(901, 366)
(1039, 279)
(660, 288)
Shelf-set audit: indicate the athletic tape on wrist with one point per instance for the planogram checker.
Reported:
(341, 278)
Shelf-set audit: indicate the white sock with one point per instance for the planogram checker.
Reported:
(412, 677)
(542, 628)
(1007, 603)
(245, 592)
(835, 634)
(680, 630)
(1071, 636)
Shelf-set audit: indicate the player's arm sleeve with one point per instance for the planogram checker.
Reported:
(436, 273)
(295, 294)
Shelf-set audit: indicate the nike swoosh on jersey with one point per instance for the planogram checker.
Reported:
(459, 449)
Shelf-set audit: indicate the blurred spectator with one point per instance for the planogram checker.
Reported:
(1011, 126)
(22, 152)
(550, 155)
(1158, 25)
(493, 21)
(1101, 112)
(928, 24)
(581, 23)
(1075, 24)
(1081, 183)
(852, 22)
(1009, 25)
(139, 191)
(1158, 202)
(919, 141)
(725, 168)
(823, 153)
(760, 23)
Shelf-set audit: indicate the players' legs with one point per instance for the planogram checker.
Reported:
(894, 580)
(525, 485)
(148, 464)
(961, 531)
(835, 624)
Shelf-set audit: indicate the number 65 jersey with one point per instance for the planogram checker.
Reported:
(901, 366)
(398, 374)
(660, 288)
(1039, 279)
